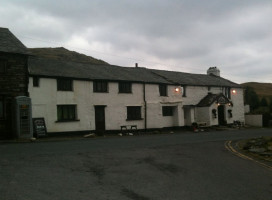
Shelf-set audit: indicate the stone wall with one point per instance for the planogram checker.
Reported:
(13, 82)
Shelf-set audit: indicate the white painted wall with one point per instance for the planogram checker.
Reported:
(202, 114)
(46, 98)
(155, 119)
(213, 120)
(238, 111)
(194, 94)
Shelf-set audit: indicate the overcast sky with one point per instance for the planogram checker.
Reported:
(179, 35)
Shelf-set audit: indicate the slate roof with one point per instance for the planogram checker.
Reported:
(10, 44)
(59, 68)
(182, 78)
(210, 99)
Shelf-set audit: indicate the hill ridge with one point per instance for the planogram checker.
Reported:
(61, 53)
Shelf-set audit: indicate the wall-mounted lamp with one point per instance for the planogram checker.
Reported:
(233, 91)
(177, 89)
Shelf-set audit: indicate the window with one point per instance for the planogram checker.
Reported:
(36, 81)
(1, 107)
(124, 87)
(100, 86)
(163, 89)
(227, 92)
(134, 113)
(66, 112)
(184, 91)
(65, 85)
(167, 111)
(3, 65)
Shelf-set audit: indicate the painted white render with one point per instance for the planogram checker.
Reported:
(155, 118)
(45, 99)
(195, 93)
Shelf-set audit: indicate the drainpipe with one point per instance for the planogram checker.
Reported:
(145, 108)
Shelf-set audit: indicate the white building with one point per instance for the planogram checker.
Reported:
(83, 97)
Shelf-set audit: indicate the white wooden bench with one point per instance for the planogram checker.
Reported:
(126, 128)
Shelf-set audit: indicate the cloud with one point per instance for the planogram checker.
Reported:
(182, 35)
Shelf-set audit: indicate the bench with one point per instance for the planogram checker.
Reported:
(125, 128)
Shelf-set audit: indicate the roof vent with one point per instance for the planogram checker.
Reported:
(213, 71)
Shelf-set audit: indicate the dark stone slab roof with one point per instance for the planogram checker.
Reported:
(211, 98)
(59, 68)
(195, 79)
(10, 44)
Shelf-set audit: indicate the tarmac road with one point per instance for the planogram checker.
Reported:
(179, 166)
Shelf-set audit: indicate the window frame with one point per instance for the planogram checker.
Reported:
(3, 64)
(125, 87)
(70, 109)
(100, 86)
(134, 113)
(36, 81)
(64, 84)
(163, 90)
(167, 111)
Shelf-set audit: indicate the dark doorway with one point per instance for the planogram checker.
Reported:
(6, 118)
(221, 115)
(99, 118)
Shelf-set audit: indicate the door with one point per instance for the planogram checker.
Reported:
(221, 115)
(6, 118)
(100, 118)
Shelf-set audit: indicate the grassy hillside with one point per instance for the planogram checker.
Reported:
(262, 89)
(61, 53)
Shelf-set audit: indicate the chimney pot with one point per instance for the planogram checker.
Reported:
(136, 64)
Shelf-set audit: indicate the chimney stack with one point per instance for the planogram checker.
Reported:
(213, 71)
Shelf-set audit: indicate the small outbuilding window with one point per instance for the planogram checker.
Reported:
(167, 111)
(134, 113)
